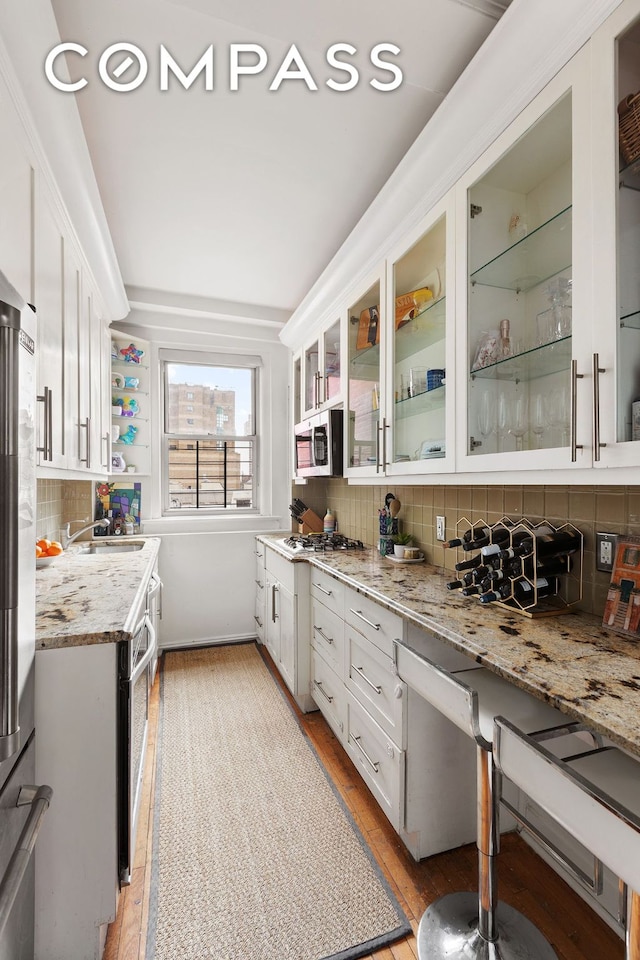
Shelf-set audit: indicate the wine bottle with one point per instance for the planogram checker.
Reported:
(465, 581)
(468, 564)
(490, 536)
(466, 537)
(522, 590)
(470, 591)
(556, 544)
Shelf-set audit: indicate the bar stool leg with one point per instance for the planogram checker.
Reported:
(470, 926)
(633, 926)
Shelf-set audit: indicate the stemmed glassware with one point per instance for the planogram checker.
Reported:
(503, 416)
(519, 424)
(539, 419)
(559, 413)
(486, 414)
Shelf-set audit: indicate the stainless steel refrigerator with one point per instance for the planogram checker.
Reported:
(22, 803)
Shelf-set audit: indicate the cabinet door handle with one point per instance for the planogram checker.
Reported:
(575, 376)
(385, 426)
(374, 764)
(597, 370)
(361, 673)
(260, 583)
(106, 439)
(359, 613)
(318, 685)
(323, 634)
(258, 620)
(47, 424)
(87, 426)
(274, 590)
(327, 593)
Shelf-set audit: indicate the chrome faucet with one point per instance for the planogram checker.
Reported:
(67, 538)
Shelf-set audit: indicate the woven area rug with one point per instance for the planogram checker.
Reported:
(255, 856)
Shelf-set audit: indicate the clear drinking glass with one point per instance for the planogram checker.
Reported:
(486, 414)
(539, 419)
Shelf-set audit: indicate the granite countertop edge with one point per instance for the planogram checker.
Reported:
(86, 600)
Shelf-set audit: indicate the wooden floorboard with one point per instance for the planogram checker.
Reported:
(525, 881)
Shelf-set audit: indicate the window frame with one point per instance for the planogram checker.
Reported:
(203, 359)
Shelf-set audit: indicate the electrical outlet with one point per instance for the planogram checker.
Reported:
(605, 551)
(440, 527)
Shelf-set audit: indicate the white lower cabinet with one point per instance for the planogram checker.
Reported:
(286, 623)
(327, 689)
(261, 593)
(380, 762)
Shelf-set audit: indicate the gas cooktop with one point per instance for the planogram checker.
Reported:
(321, 543)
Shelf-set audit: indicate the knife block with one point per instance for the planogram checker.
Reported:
(310, 522)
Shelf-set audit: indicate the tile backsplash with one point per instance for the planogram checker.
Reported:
(610, 509)
(59, 501)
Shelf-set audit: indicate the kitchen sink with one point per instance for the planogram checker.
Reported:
(97, 549)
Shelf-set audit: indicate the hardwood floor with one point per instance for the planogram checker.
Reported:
(525, 881)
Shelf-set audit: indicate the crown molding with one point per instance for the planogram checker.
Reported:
(528, 46)
(148, 300)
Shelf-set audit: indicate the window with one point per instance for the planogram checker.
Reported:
(209, 459)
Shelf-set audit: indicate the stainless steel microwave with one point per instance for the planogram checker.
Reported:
(318, 445)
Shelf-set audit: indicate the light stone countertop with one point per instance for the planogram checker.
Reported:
(570, 661)
(83, 599)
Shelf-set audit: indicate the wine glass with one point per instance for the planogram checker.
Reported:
(503, 416)
(539, 419)
(486, 414)
(519, 419)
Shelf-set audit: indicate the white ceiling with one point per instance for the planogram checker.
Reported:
(246, 196)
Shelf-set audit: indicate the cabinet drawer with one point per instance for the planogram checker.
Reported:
(378, 760)
(371, 679)
(328, 591)
(329, 694)
(433, 648)
(327, 636)
(282, 569)
(375, 623)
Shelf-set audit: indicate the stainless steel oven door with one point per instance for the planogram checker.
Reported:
(134, 718)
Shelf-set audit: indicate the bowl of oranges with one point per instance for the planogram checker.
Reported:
(47, 551)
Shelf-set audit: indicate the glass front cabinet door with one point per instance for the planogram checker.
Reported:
(420, 404)
(322, 371)
(523, 208)
(616, 274)
(366, 423)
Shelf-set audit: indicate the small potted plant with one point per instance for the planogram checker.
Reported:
(400, 541)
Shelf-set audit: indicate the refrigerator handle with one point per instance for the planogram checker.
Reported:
(9, 510)
(39, 798)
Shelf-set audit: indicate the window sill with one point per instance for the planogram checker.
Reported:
(252, 523)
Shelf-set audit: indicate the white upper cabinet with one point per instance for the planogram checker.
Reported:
(52, 441)
(420, 359)
(366, 423)
(16, 178)
(321, 371)
(615, 287)
(524, 282)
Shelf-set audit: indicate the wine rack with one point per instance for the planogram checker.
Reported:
(570, 587)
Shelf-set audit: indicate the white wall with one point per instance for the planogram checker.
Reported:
(207, 564)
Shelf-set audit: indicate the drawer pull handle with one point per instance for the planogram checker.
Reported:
(258, 554)
(260, 583)
(319, 687)
(372, 763)
(258, 621)
(322, 634)
(361, 673)
(327, 593)
(358, 613)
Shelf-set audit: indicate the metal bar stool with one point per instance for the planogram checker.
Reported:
(469, 926)
(594, 796)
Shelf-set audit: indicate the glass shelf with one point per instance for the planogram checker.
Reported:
(423, 330)
(631, 321)
(366, 364)
(553, 357)
(129, 364)
(421, 403)
(119, 443)
(542, 254)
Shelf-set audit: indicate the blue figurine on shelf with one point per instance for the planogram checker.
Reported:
(129, 434)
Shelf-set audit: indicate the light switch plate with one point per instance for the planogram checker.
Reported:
(605, 551)
(440, 528)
